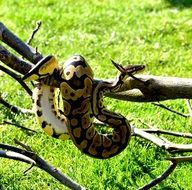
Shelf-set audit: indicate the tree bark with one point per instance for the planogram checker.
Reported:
(155, 88)
(18, 45)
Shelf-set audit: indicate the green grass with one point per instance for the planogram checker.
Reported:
(155, 33)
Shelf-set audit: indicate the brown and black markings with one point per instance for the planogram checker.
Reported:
(82, 100)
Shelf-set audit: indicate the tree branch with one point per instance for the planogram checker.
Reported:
(17, 78)
(38, 25)
(18, 45)
(170, 147)
(19, 126)
(13, 61)
(14, 108)
(165, 132)
(26, 156)
(156, 88)
(16, 156)
(171, 110)
(160, 178)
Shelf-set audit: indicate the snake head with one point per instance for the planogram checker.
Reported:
(130, 69)
(45, 67)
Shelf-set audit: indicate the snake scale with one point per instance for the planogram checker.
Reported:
(82, 101)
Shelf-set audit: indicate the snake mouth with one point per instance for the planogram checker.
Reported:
(129, 69)
(132, 69)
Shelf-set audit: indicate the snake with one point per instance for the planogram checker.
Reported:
(82, 99)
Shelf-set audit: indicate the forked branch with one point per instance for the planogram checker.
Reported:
(18, 45)
(31, 157)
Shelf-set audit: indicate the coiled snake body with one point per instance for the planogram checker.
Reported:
(82, 100)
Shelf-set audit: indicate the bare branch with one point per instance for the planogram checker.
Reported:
(160, 178)
(16, 156)
(18, 45)
(156, 88)
(180, 159)
(165, 132)
(170, 147)
(173, 111)
(14, 108)
(13, 61)
(174, 160)
(168, 171)
(33, 158)
(155, 140)
(26, 147)
(17, 78)
(29, 154)
(38, 25)
(19, 126)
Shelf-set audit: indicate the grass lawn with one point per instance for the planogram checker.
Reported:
(155, 33)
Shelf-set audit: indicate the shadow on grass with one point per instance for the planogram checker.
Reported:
(180, 3)
(146, 170)
(146, 167)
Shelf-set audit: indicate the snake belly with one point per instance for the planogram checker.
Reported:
(52, 120)
(82, 100)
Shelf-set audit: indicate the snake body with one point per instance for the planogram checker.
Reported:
(47, 113)
(82, 100)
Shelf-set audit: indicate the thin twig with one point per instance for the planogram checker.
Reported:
(28, 169)
(15, 109)
(19, 126)
(17, 78)
(173, 111)
(8, 147)
(165, 132)
(160, 178)
(26, 147)
(171, 147)
(155, 140)
(38, 25)
(180, 159)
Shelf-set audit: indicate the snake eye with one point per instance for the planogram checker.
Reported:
(68, 73)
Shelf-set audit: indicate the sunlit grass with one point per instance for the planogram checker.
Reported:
(155, 33)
